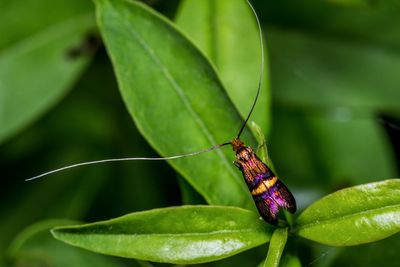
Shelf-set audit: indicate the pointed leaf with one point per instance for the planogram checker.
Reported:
(354, 215)
(181, 235)
(175, 97)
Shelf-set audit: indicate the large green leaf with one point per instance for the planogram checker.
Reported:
(216, 29)
(175, 97)
(354, 215)
(182, 235)
(35, 71)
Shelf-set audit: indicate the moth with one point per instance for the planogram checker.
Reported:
(268, 192)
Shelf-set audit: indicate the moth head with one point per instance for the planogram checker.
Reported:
(237, 145)
(243, 153)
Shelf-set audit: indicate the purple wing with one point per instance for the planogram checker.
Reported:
(269, 201)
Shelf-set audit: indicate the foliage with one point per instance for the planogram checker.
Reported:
(187, 72)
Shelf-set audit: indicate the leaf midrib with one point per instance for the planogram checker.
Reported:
(212, 233)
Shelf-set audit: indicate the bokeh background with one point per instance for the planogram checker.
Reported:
(334, 74)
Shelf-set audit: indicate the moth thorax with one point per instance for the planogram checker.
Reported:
(245, 154)
(237, 145)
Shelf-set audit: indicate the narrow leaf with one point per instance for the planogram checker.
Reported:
(181, 235)
(354, 215)
(276, 247)
(174, 97)
(233, 45)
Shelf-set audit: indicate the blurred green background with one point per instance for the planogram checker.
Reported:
(334, 78)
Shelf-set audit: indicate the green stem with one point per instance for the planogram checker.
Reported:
(276, 247)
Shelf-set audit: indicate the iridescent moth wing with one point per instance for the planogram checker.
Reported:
(268, 192)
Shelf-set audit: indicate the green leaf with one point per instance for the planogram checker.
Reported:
(215, 28)
(354, 215)
(174, 97)
(276, 247)
(35, 246)
(35, 71)
(181, 235)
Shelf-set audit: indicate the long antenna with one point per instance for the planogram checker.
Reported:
(126, 159)
(261, 72)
